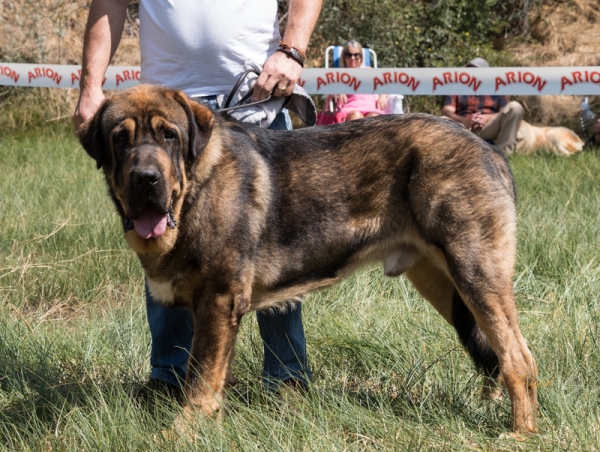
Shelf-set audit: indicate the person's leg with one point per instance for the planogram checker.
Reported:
(504, 127)
(284, 345)
(282, 332)
(354, 114)
(171, 331)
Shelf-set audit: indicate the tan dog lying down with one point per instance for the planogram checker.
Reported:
(557, 140)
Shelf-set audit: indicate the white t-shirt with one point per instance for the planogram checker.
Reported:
(200, 46)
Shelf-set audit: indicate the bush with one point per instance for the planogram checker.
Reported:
(428, 33)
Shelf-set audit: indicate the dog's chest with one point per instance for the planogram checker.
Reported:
(162, 292)
(169, 293)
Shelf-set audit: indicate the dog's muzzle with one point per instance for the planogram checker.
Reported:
(128, 224)
(150, 203)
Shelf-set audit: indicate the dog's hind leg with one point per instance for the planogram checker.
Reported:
(436, 287)
(482, 272)
(481, 308)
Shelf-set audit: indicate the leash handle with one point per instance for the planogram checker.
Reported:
(236, 106)
(240, 103)
(237, 86)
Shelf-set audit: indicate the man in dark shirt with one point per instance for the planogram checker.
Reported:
(492, 118)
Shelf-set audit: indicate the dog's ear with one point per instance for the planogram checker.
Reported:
(200, 120)
(91, 136)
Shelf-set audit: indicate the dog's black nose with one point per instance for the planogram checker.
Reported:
(146, 177)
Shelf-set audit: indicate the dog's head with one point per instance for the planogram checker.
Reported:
(146, 140)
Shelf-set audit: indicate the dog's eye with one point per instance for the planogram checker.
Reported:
(121, 137)
(170, 135)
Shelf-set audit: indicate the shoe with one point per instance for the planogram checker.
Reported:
(158, 389)
(293, 385)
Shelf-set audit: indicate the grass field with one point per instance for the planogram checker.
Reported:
(389, 374)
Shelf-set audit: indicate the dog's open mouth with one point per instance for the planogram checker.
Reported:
(151, 223)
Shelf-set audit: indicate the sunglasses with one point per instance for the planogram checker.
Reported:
(352, 55)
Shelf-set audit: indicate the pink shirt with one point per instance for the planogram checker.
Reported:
(365, 103)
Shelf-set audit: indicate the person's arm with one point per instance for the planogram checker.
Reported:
(102, 35)
(382, 102)
(450, 112)
(481, 119)
(281, 71)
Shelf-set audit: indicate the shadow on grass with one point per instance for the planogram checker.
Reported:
(40, 394)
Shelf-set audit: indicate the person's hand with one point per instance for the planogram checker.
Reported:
(382, 102)
(87, 105)
(467, 121)
(340, 99)
(480, 120)
(278, 77)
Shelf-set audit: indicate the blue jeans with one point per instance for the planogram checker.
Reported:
(282, 333)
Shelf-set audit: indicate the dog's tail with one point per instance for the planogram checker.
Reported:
(473, 339)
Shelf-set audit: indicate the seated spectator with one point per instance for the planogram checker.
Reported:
(356, 106)
(594, 140)
(493, 118)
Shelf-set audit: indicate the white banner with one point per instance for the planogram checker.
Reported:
(529, 81)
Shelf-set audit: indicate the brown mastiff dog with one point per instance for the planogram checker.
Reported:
(227, 218)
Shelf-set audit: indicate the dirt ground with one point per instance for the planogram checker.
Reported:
(563, 33)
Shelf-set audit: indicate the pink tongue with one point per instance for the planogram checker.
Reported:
(150, 224)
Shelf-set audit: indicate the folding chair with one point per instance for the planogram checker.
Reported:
(369, 56)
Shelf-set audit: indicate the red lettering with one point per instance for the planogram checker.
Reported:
(563, 82)
(464, 78)
(510, 77)
(528, 78)
(119, 79)
(346, 79)
(387, 77)
(320, 82)
(413, 84)
(75, 76)
(329, 77)
(376, 83)
(56, 77)
(577, 77)
(8, 72)
(354, 83)
(436, 82)
(300, 82)
(597, 74)
(447, 77)
(474, 84)
(538, 82)
(499, 82)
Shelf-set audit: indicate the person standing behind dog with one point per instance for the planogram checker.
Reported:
(490, 117)
(201, 46)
